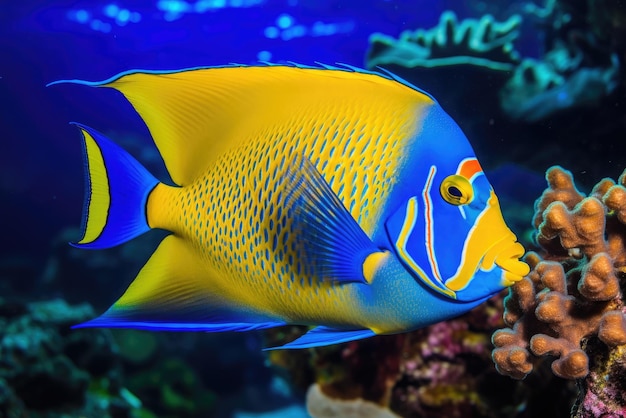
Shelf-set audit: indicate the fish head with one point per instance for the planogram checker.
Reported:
(448, 229)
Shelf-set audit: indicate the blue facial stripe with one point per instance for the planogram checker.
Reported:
(405, 232)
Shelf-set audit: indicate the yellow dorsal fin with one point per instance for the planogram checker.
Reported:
(195, 115)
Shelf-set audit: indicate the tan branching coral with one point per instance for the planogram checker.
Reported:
(572, 293)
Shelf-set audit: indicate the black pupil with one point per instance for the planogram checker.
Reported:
(454, 191)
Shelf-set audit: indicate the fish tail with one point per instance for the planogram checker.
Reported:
(117, 189)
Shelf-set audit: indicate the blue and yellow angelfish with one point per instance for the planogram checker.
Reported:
(332, 197)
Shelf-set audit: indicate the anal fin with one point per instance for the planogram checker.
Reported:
(173, 292)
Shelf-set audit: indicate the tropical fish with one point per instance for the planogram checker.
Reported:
(333, 197)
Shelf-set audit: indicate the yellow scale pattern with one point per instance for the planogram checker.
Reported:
(232, 214)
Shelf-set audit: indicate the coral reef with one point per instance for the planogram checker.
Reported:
(173, 374)
(580, 66)
(49, 370)
(568, 86)
(443, 370)
(579, 69)
(173, 388)
(483, 42)
(539, 89)
(136, 348)
(320, 405)
(568, 314)
(571, 305)
(455, 61)
(46, 371)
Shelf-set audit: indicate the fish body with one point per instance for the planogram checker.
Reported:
(319, 196)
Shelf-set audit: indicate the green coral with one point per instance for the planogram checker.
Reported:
(172, 388)
(135, 346)
(47, 371)
(481, 42)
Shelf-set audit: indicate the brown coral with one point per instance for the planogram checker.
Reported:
(579, 230)
(573, 291)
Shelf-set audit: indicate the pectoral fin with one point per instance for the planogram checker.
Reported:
(321, 336)
(329, 241)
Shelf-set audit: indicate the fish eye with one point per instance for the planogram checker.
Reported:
(456, 190)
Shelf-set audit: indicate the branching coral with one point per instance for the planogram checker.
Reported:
(570, 306)
(584, 43)
(45, 369)
(580, 68)
(483, 42)
(442, 370)
(457, 61)
(539, 89)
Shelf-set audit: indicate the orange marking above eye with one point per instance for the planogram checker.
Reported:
(469, 168)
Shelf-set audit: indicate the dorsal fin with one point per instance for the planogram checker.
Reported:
(195, 115)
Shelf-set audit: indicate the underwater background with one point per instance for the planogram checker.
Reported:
(532, 85)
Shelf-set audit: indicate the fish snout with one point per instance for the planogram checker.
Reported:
(509, 260)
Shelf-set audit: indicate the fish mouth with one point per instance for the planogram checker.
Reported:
(500, 267)
(509, 261)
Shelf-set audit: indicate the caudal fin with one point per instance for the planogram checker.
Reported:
(116, 194)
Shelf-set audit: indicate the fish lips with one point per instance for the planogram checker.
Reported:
(499, 268)
(514, 269)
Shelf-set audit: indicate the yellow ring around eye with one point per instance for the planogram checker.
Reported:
(456, 190)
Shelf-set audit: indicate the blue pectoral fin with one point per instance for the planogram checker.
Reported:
(329, 241)
(173, 293)
(321, 336)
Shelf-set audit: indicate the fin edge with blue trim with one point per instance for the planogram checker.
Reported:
(192, 113)
(173, 292)
(322, 336)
